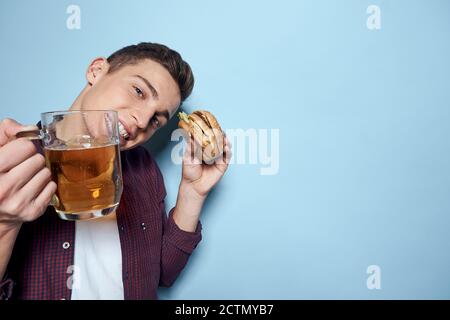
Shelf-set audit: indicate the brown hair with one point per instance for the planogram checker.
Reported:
(170, 59)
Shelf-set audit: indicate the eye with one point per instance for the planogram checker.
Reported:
(156, 122)
(139, 92)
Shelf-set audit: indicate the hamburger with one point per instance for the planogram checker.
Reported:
(206, 131)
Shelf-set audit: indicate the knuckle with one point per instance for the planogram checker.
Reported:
(15, 208)
(40, 160)
(46, 173)
(4, 189)
(35, 212)
(30, 215)
(6, 122)
(28, 146)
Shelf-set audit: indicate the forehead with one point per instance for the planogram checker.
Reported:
(159, 78)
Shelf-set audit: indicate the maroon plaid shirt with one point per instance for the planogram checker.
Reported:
(154, 249)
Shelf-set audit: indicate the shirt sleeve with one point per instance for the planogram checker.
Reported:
(177, 244)
(183, 240)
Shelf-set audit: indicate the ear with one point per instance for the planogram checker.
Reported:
(96, 70)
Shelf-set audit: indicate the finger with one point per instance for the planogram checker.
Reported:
(227, 142)
(227, 150)
(192, 154)
(187, 156)
(228, 154)
(43, 199)
(187, 148)
(225, 158)
(15, 152)
(23, 172)
(9, 128)
(32, 189)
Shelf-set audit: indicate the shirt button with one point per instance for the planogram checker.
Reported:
(66, 245)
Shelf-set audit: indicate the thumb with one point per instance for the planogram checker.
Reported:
(191, 153)
(9, 128)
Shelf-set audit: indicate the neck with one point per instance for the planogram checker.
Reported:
(62, 130)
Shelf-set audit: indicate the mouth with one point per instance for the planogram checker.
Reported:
(123, 132)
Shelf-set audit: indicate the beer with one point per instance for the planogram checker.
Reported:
(88, 180)
(83, 154)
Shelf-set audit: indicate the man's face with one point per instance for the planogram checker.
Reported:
(144, 94)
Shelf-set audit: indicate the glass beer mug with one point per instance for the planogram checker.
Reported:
(82, 151)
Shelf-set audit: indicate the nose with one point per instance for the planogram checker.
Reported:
(142, 118)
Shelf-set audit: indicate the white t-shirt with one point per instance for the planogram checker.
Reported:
(97, 274)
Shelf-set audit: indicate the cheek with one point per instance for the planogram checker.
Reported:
(144, 136)
(108, 97)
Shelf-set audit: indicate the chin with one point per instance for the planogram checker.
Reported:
(127, 145)
(130, 144)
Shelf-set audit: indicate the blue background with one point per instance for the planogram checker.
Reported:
(364, 115)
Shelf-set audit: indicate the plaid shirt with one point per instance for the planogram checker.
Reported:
(154, 249)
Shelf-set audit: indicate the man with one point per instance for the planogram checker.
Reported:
(125, 255)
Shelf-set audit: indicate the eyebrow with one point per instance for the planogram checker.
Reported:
(149, 85)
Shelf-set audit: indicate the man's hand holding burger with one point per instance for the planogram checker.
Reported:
(205, 160)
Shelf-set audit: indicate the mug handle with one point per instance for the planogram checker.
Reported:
(30, 133)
